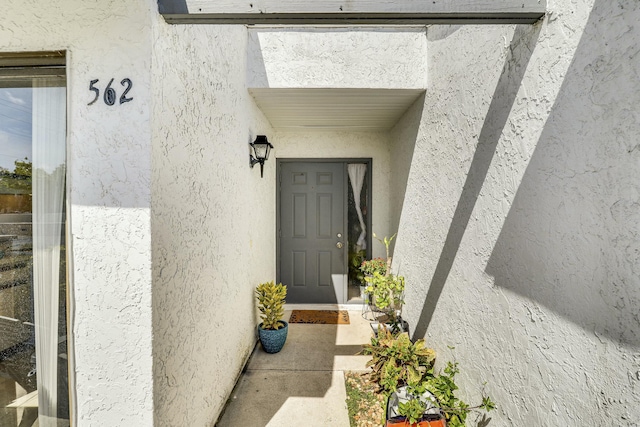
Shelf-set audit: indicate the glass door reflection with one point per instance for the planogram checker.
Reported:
(33, 346)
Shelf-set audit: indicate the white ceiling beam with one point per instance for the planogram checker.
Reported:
(351, 12)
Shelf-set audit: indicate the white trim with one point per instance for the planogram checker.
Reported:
(71, 306)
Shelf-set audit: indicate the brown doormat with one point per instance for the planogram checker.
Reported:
(322, 317)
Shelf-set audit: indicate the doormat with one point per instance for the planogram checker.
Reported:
(321, 317)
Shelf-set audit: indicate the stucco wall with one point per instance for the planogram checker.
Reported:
(519, 232)
(381, 58)
(109, 170)
(213, 220)
(519, 223)
(341, 144)
(402, 142)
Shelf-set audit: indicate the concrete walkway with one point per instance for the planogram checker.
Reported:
(303, 385)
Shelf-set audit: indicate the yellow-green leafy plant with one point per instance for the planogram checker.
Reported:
(443, 386)
(396, 361)
(271, 298)
(386, 288)
(412, 410)
(387, 291)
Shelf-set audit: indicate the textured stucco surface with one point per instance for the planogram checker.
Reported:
(214, 217)
(402, 141)
(109, 172)
(520, 220)
(519, 223)
(213, 220)
(382, 58)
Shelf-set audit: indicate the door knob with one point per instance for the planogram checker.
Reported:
(339, 245)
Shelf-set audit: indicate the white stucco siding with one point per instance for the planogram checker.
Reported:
(213, 220)
(374, 145)
(381, 58)
(109, 171)
(531, 264)
(402, 142)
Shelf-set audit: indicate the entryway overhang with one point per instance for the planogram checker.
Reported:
(331, 79)
(352, 12)
(334, 108)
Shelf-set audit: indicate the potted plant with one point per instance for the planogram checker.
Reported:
(387, 297)
(367, 268)
(386, 289)
(397, 361)
(399, 366)
(416, 395)
(273, 330)
(406, 407)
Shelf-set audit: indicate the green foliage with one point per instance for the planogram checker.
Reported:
(386, 288)
(397, 361)
(412, 410)
(386, 241)
(487, 404)
(371, 266)
(271, 298)
(23, 169)
(443, 387)
(387, 291)
(18, 181)
(356, 276)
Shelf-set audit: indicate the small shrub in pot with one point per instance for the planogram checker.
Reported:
(273, 330)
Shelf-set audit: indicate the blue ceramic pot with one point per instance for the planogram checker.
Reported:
(273, 341)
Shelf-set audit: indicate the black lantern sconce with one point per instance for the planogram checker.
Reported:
(261, 148)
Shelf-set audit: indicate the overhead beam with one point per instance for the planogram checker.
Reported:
(351, 12)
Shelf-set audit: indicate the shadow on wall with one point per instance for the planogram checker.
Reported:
(404, 137)
(256, 70)
(520, 49)
(571, 241)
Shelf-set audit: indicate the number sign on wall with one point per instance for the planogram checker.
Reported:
(109, 94)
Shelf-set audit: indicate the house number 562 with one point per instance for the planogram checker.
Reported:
(109, 96)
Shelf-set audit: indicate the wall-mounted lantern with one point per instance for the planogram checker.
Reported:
(261, 148)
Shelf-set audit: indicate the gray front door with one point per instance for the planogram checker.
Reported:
(312, 260)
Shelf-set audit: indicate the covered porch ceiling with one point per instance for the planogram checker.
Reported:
(334, 108)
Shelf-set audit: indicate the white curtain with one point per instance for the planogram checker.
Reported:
(48, 183)
(357, 172)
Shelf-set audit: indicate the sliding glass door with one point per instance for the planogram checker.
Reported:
(34, 388)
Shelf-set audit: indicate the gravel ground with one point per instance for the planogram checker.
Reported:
(366, 406)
